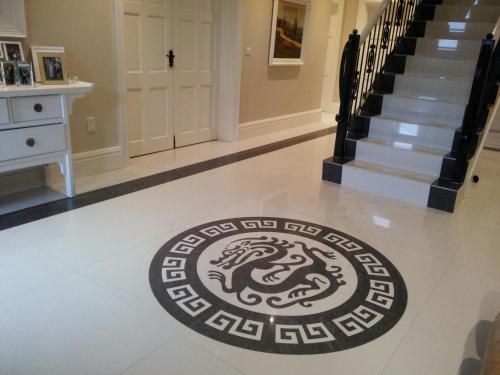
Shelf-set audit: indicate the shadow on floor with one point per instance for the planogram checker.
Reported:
(478, 339)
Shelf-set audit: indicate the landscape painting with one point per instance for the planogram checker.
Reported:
(290, 21)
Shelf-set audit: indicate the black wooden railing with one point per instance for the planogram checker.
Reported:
(483, 95)
(364, 58)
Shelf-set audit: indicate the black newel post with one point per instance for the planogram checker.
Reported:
(346, 88)
(473, 112)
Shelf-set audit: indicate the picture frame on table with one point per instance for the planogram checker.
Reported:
(8, 73)
(53, 68)
(289, 32)
(25, 74)
(12, 51)
(35, 50)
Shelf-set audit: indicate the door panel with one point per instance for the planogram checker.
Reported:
(194, 42)
(149, 82)
(163, 102)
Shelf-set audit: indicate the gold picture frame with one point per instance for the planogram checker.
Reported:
(53, 68)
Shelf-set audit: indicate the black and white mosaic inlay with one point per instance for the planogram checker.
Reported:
(278, 285)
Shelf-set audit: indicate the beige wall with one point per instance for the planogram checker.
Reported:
(275, 91)
(85, 28)
(348, 25)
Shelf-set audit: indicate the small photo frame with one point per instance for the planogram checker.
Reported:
(8, 73)
(34, 54)
(12, 51)
(52, 67)
(25, 73)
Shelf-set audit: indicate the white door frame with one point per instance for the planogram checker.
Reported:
(229, 40)
(332, 67)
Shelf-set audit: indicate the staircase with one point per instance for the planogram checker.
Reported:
(401, 126)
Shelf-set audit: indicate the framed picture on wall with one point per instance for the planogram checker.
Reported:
(52, 67)
(34, 53)
(289, 32)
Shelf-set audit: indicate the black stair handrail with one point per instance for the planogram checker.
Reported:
(364, 58)
(482, 96)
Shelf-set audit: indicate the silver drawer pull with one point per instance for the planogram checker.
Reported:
(38, 107)
(30, 142)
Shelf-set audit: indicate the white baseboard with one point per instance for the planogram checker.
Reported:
(274, 124)
(22, 180)
(91, 162)
(329, 114)
(84, 164)
(328, 118)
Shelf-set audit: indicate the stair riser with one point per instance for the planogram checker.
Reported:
(458, 30)
(433, 88)
(418, 162)
(420, 135)
(400, 189)
(448, 49)
(467, 13)
(446, 113)
(440, 67)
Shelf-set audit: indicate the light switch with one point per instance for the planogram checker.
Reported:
(91, 125)
(248, 51)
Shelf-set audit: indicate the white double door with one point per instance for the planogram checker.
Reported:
(169, 107)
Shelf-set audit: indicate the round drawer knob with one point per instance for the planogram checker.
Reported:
(30, 142)
(38, 107)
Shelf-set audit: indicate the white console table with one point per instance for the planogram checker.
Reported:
(34, 127)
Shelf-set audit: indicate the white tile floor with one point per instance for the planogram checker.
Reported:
(75, 295)
(148, 165)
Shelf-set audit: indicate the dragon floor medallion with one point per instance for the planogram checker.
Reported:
(278, 285)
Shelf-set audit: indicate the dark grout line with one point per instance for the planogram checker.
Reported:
(43, 211)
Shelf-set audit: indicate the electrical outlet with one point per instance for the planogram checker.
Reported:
(91, 127)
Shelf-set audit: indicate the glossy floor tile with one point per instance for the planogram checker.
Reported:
(76, 295)
(150, 165)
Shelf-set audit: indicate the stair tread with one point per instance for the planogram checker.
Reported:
(440, 59)
(438, 77)
(467, 6)
(385, 170)
(456, 12)
(403, 146)
(486, 24)
(457, 39)
(429, 98)
(470, 2)
(405, 95)
(418, 118)
(406, 138)
(454, 49)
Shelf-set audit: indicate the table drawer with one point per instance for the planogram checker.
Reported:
(4, 112)
(32, 108)
(20, 143)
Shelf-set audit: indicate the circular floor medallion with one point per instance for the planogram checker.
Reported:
(278, 285)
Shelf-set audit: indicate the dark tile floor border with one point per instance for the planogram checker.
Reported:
(492, 148)
(49, 209)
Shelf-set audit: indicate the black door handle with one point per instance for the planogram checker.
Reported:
(171, 58)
